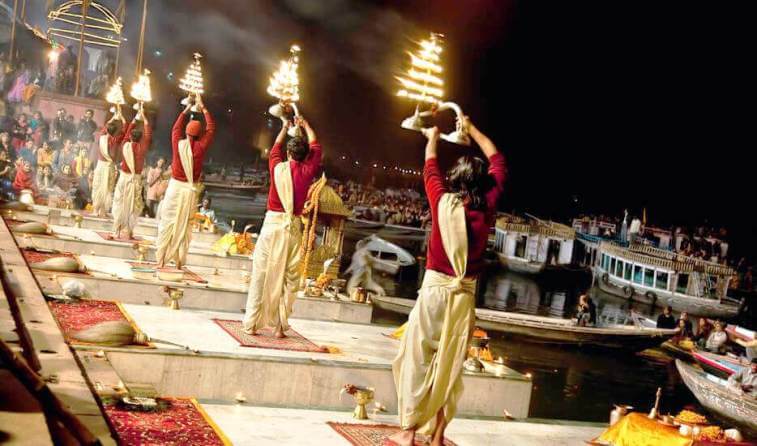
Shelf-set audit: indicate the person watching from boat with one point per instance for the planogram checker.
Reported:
(745, 380)
(428, 368)
(686, 329)
(206, 211)
(587, 312)
(666, 319)
(704, 328)
(750, 347)
(717, 339)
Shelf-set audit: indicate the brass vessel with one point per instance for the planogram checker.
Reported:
(174, 295)
(362, 397)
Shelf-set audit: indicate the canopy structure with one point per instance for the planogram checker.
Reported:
(89, 19)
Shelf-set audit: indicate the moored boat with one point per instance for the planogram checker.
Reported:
(551, 330)
(387, 256)
(533, 246)
(714, 394)
(721, 366)
(657, 277)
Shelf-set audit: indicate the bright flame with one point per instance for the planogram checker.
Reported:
(192, 82)
(285, 83)
(116, 93)
(140, 90)
(53, 55)
(422, 82)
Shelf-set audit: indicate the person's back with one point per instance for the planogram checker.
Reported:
(303, 172)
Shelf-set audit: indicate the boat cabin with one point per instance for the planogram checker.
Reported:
(540, 243)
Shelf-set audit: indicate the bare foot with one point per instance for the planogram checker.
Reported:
(279, 334)
(250, 331)
(402, 438)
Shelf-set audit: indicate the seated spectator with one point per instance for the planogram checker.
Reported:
(28, 152)
(45, 155)
(45, 180)
(82, 161)
(24, 178)
(6, 174)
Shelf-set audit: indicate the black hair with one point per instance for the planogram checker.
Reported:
(297, 149)
(113, 127)
(469, 179)
(136, 134)
(89, 110)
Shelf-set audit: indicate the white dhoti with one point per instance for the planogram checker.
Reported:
(102, 187)
(275, 273)
(103, 180)
(275, 262)
(177, 208)
(127, 202)
(428, 368)
(127, 198)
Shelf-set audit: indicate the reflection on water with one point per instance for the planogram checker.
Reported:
(569, 383)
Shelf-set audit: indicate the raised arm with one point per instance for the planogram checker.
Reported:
(315, 156)
(432, 175)
(276, 155)
(177, 133)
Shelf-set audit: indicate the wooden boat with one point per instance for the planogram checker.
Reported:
(233, 186)
(721, 366)
(653, 276)
(387, 257)
(533, 246)
(736, 332)
(713, 393)
(551, 330)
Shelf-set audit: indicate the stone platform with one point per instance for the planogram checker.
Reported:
(269, 426)
(65, 217)
(225, 290)
(223, 370)
(88, 241)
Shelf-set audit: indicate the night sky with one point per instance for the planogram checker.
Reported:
(598, 105)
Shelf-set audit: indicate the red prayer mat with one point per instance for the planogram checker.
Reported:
(77, 316)
(110, 237)
(32, 256)
(177, 421)
(189, 275)
(265, 338)
(374, 434)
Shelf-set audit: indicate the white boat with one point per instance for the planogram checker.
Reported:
(654, 276)
(531, 246)
(387, 257)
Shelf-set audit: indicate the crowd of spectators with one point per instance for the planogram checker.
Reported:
(403, 207)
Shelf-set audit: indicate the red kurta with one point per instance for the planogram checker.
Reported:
(478, 222)
(199, 146)
(303, 173)
(24, 180)
(114, 145)
(140, 149)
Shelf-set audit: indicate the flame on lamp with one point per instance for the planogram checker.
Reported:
(285, 84)
(140, 90)
(116, 93)
(422, 82)
(192, 82)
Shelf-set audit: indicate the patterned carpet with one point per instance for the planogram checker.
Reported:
(373, 434)
(109, 236)
(265, 339)
(76, 316)
(189, 275)
(178, 421)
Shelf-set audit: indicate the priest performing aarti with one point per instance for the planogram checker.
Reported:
(189, 142)
(104, 178)
(276, 259)
(428, 368)
(127, 199)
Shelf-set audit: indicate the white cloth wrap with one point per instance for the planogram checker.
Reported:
(176, 210)
(428, 367)
(127, 198)
(275, 261)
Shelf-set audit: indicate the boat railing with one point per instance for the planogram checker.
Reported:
(667, 260)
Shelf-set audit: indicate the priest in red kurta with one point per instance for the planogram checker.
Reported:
(189, 143)
(428, 368)
(104, 178)
(127, 198)
(276, 259)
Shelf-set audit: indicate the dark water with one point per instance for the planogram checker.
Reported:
(569, 383)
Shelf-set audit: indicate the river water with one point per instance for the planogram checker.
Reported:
(569, 383)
